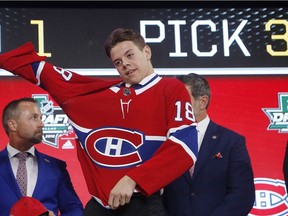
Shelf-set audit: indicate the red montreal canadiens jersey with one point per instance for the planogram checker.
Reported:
(121, 130)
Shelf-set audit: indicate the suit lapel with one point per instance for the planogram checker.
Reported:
(7, 173)
(43, 162)
(209, 143)
(188, 177)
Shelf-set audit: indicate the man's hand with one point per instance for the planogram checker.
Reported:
(122, 192)
(51, 213)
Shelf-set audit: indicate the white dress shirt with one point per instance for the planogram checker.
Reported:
(201, 129)
(31, 164)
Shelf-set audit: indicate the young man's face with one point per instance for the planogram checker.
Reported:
(132, 64)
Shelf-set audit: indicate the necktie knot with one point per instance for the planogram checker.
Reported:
(22, 156)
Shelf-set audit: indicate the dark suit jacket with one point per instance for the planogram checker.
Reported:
(220, 186)
(53, 187)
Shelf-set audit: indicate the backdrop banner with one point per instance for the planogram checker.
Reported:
(241, 50)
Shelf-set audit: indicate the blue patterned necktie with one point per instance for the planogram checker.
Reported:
(21, 175)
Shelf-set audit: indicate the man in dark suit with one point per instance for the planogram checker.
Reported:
(221, 182)
(47, 178)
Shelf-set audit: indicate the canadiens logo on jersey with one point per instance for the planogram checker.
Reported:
(113, 147)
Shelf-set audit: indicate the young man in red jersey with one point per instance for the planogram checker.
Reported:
(135, 135)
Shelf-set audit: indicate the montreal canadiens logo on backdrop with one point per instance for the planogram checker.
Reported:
(56, 126)
(278, 116)
(270, 198)
(110, 147)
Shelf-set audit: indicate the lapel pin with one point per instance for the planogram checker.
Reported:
(214, 137)
(46, 160)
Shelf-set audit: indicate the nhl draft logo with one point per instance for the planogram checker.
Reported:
(278, 116)
(56, 123)
(270, 198)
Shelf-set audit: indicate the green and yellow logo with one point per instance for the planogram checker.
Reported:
(278, 116)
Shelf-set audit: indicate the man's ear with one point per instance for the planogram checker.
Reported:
(203, 102)
(12, 125)
(148, 52)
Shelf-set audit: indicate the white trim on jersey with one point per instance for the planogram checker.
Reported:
(185, 147)
(156, 138)
(147, 137)
(39, 71)
(115, 89)
(154, 82)
(100, 202)
(173, 130)
(82, 129)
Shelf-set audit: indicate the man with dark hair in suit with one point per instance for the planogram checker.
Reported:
(221, 181)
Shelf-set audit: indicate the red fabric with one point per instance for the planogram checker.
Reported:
(27, 206)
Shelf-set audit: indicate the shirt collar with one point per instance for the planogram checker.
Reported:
(202, 125)
(144, 81)
(12, 151)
